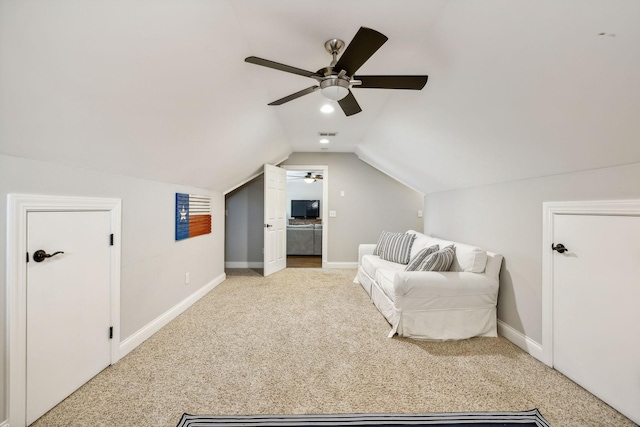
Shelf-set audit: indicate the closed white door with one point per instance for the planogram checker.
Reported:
(596, 321)
(275, 219)
(68, 305)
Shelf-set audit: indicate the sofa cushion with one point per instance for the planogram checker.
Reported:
(439, 261)
(420, 256)
(371, 263)
(300, 226)
(468, 258)
(421, 242)
(395, 247)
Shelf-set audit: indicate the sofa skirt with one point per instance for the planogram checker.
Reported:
(430, 324)
(364, 280)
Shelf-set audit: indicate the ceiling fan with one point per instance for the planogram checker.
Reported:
(336, 81)
(308, 178)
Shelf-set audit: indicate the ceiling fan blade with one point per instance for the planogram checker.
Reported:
(295, 95)
(364, 44)
(281, 67)
(349, 105)
(391, 82)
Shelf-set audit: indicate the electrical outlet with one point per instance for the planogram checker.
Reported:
(186, 279)
(419, 213)
(332, 214)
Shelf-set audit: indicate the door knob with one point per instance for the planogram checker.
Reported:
(268, 225)
(40, 255)
(559, 247)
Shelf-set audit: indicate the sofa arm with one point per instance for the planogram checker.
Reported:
(365, 249)
(429, 284)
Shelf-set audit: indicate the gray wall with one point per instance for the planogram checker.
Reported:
(153, 263)
(507, 218)
(245, 216)
(372, 202)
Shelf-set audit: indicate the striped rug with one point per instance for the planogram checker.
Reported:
(531, 418)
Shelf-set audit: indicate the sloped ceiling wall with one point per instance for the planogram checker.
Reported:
(158, 89)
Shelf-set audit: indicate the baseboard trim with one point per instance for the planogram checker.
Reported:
(521, 340)
(159, 322)
(243, 264)
(341, 265)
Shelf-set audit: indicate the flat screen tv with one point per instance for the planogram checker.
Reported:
(305, 209)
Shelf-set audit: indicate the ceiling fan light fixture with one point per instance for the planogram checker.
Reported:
(309, 180)
(334, 88)
(327, 108)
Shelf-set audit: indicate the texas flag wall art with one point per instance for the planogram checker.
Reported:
(193, 215)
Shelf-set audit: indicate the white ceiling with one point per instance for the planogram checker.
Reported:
(160, 90)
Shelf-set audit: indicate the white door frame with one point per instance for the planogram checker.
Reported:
(550, 209)
(18, 206)
(325, 204)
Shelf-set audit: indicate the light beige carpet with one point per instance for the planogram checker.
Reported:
(310, 341)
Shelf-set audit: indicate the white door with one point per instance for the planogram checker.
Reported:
(275, 218)
(596, 321)
(68, 305)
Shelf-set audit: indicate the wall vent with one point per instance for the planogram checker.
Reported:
(327, 133)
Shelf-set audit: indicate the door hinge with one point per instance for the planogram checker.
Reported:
(110, 332)
(111, 240)
(27, 256)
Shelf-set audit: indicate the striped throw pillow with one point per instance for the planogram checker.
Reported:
(439, 261)
(395, 247)
(420, 256)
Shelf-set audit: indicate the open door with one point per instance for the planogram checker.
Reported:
(275, 218)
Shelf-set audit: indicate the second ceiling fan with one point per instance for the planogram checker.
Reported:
(336, 81)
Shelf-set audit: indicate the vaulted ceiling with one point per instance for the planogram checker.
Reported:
(159, 89)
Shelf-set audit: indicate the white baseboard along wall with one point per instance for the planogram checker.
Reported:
(159, 322)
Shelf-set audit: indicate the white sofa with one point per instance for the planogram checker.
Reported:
(450, 305)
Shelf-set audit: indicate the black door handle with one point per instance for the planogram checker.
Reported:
(559, 247)
(40, 255)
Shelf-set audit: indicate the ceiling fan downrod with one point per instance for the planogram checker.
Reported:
(334, 47)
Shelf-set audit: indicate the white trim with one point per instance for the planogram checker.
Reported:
(325, 204)
(340, 265)
(362, 155)
(159, 322)
(549, 210)
(244, 264)
(5, 423)
(255, 175)
(18, 206)
(520, 339)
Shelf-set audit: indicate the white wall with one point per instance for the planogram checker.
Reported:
(507, 218)
(153, 263)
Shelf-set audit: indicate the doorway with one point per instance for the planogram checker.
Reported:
(63, 261)
(307, 213)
